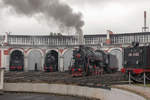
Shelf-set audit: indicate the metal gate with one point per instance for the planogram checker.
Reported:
(35, 60)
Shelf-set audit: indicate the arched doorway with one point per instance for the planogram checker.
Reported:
(67, 59)
(51, 61)
(35, 60)
(118, 54)
(16, 61)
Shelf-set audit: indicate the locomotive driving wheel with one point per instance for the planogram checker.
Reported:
(148, 77)
(137, 78)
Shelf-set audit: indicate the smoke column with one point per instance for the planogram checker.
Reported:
(54, 9)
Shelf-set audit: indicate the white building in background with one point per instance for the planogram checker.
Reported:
(34, 48)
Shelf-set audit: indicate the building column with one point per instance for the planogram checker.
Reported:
(5, 59)
(61, 64)
(2, 58)
(25, 63)
(42, 64)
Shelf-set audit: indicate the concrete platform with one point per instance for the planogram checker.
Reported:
(98, 93)
(143, 91)
(35, 96)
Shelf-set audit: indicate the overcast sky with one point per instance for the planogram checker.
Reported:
(98, 16)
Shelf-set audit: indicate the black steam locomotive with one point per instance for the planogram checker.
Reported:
(51, 62)
(86, 61)
(17, 61)
(137, 62)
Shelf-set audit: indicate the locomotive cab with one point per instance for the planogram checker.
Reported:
(137, 62)
(137, 57)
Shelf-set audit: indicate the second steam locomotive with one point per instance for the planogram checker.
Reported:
(137, 62)
(86, 61)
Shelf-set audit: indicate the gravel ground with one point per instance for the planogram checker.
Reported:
(66, 78)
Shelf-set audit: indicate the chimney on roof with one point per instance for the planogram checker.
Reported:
(108, 41)
(145, 28)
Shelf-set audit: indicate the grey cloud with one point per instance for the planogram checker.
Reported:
(101, 2)
(55, 9)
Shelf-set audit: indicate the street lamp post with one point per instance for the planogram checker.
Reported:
(1, 79)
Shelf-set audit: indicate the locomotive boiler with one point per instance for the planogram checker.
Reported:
(86, 61)
(51, 62)
(137, 62)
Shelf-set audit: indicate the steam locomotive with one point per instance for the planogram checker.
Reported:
(86, 61)
(51, 62)
(137, 62)
(17, 61)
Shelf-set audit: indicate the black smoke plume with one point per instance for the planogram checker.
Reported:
(54, 9)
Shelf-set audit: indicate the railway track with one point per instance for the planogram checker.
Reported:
(65, 78)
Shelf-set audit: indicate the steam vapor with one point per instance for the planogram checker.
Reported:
(54, 9)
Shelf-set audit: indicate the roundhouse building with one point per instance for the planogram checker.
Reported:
(32, 50)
